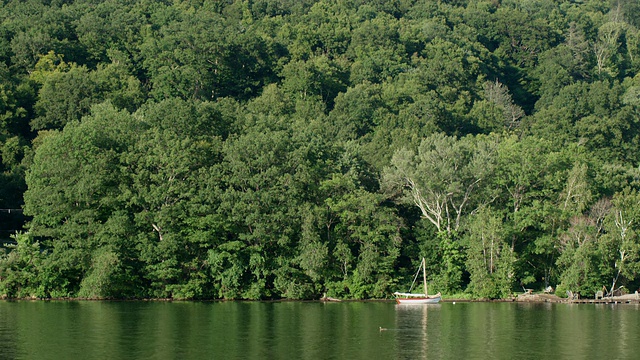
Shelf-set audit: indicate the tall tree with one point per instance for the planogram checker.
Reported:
(442, 178)
(74, 197)
(621, 246)
(490, 256)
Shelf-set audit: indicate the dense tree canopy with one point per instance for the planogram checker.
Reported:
(293, 149)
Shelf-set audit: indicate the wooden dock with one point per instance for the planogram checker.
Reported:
(614, 300)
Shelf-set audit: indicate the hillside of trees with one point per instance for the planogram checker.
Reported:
(268, 149)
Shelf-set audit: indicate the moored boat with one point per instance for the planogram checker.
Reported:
(408, 299)
(417, 299)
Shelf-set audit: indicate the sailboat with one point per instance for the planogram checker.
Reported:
(410, 298)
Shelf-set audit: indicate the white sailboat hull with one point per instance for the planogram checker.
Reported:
(417, 299)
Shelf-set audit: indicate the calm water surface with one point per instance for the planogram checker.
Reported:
(298, 330)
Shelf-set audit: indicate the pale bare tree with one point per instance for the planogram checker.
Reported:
(442, 177)
(499, 94)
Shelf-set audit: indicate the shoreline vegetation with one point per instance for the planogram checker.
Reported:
(528, 298)
(295, 149)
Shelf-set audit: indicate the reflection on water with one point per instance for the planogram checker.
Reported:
(284, 330)
(8, 337)
(412, 324)
(515, 330)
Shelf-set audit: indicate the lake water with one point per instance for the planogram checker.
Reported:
(311, 330)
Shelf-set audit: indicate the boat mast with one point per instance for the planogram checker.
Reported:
(424, 276)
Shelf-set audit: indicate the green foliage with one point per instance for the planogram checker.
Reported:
(579, 265)
(452, 258)
(620, 246)
(378, 53)
(65, 97)
(490, 260)
(21, 268)
(99, 282)
(295, 149)
(68, 91)
(369, 240)
(442, 177)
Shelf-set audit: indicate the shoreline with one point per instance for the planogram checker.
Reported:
(522, 298)
(322, 300)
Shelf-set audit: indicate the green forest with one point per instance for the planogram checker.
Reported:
(294, 149)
